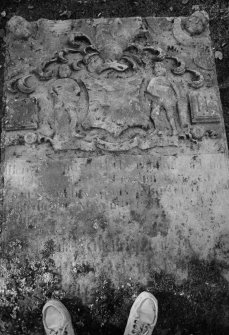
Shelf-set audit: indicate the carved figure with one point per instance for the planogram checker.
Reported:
(162, 96)
(99, 89)
(196, 23)
(70, 108)
(189, 29)
(19, 27)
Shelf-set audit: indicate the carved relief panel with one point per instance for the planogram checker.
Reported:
(111, 84)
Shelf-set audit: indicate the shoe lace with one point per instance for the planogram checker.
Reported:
(56, 332)
(60, 331)
(140, 328)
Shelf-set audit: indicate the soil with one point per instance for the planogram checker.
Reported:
(198, 306)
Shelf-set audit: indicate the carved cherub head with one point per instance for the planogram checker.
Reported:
(196, 23)
(65, 91)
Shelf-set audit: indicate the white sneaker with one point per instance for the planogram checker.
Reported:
(143, 315)
(56, 319)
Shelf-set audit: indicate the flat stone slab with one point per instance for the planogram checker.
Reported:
(115, 154)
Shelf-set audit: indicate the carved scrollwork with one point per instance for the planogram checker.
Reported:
(116, 91)
(78, 40)
(198, 79)
(60, 56)
(81, 44)
(43, 73)
(112, 65)
(132, 48)
(24, 86)
(180, 67)
(157, 53)
(21, 84)
(76, 64)
(130, 61)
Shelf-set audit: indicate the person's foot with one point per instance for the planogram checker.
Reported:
(143, 315)
(56, 319)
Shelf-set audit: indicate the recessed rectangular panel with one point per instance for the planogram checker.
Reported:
(204, 107)
(21, 115)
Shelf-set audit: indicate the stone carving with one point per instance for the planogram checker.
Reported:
(180, 67)
(70, 103)
(187, 30)
(111, 88)
(30, 138)
(19, 27)
(204, 58)
(106, 175)
(64, 71)
(198, 80)
(22, 115)
(21, 84)
(162, 96)
(197, 132)
(204, 107)
(196, 23)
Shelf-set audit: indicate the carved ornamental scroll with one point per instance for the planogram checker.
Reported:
(111, 84)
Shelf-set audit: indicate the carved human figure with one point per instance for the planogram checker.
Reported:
(163, 96)
(70, 108)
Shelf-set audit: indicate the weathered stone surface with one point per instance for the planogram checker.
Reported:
(115, 85)
(115, 149)
(19, 27)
